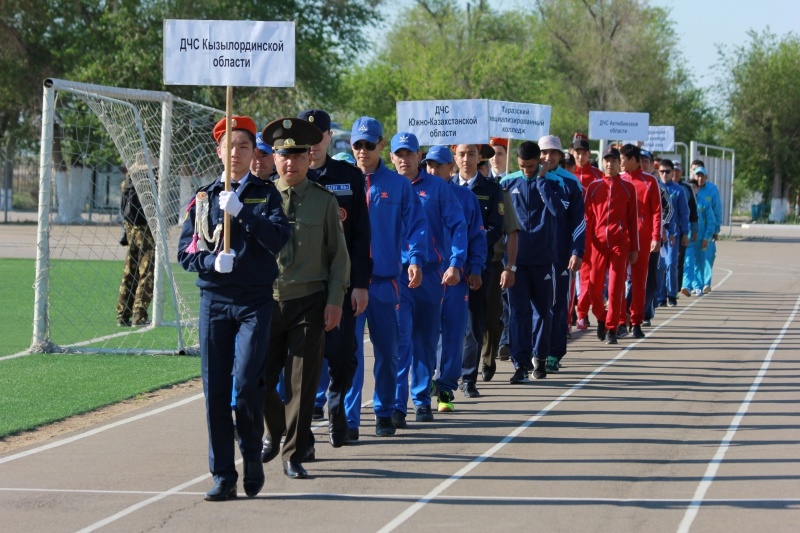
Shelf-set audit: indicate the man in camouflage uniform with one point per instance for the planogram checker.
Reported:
(136, 287)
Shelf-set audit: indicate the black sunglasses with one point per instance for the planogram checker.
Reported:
(364, 145)
(665, 171)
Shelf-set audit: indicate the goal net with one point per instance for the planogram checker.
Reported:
(88, 133)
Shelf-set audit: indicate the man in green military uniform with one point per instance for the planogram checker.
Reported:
(314, 275)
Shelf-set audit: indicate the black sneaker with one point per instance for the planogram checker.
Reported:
(384, 426)
(470, 390)
(399, 419)
(123, 323)
(424, 413)
(539, 368)
(672, 302)
(646, 323)
(319, 413)
(520, 376)
(611, 337)
(352, 436)
(504, 353)
(637, 332)
(601, 331)
(622, 332)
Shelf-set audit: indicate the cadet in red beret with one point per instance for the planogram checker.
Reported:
(235, 303)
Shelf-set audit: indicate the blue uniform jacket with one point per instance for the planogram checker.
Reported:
(346, 182)
(705, 223)
(680, 209)
(397, 221)
(476, 235)
(258, 233)
(538, 204)
(447, 229)
(709, 193)
(572, 224)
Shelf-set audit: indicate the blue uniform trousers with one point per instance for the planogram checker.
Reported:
(559, 327)
(531, 300)
(651, 285)
(419, 317)
(476, 325)
(384, 334)
(671, 261)
(711, 256)
(450, 351)
(234, 341)
(661, 288)
(339, 364)
(694, 267)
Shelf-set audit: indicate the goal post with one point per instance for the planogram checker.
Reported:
(166, 144)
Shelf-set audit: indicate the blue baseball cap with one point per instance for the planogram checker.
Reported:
(366, 129)
(347, 158)
(701, 170)
(646, 154)
(441, 154)
(405, 140)
(318, 117)
(261, 145)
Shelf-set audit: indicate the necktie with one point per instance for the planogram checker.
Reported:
(234, 185)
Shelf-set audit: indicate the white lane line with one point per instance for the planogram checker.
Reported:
(713, 466)
(100, 429)
(437, 491)
(589, 500)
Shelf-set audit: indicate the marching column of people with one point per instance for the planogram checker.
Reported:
(322, 249)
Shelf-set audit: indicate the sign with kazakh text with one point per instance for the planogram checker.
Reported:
(613, 125)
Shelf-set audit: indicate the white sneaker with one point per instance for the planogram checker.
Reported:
(697, 292)
(707, 289)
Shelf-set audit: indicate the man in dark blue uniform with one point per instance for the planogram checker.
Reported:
(490, 198)
(346, 182)
(235, 303)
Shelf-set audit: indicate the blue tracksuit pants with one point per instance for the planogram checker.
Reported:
(694, 268)
(708, 267)
(384, 334)
(419, 317)
(558, 335)
(450, 351)
(531, 300)
(671, 262)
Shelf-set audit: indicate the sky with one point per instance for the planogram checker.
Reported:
(702, 25)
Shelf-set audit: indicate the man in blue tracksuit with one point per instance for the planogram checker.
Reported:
(490, 198)
(571, 239)
(455, 306)
(398, 223)
(677, 237)
(420, 308)
(709, 193)
(538, 204)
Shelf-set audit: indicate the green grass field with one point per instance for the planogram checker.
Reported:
(43, 388)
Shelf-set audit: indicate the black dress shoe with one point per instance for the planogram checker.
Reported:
(487, 372)
(294, 470)
(223, 489)
(337, 428)
(269, 451)
(253, 477)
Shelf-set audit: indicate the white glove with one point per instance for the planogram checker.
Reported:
(224, 262)
(228, 201)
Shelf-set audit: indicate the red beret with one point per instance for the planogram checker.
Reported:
(498, 141)
(237, 123)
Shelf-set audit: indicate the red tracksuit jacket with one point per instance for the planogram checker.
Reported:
(611, 214)
(649, 198)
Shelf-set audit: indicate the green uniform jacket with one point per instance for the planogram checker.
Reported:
(315, 258)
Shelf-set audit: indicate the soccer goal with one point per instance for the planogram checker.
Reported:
(88, 132)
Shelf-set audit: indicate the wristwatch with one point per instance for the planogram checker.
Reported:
(512, 268)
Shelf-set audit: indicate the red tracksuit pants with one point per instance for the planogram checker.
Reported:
(585, 296)
(613, 261)
(638, 291)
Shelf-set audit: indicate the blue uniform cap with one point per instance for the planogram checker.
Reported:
(347, 158)
(405, 140)
(646, 154)
(441, 154)
(261, 145)
(318, 117)
(366, 129)
(701, 170)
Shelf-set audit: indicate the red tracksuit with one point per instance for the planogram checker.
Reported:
(649, 199)
(611, 227)
(586, 174)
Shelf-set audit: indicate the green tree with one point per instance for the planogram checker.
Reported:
(763, 115)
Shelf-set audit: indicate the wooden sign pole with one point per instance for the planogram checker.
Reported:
(226, 221)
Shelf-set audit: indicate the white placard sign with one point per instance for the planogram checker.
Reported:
(661, 139)
(514, 120)
(229, 53)
(611, 125)
(445, 121)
